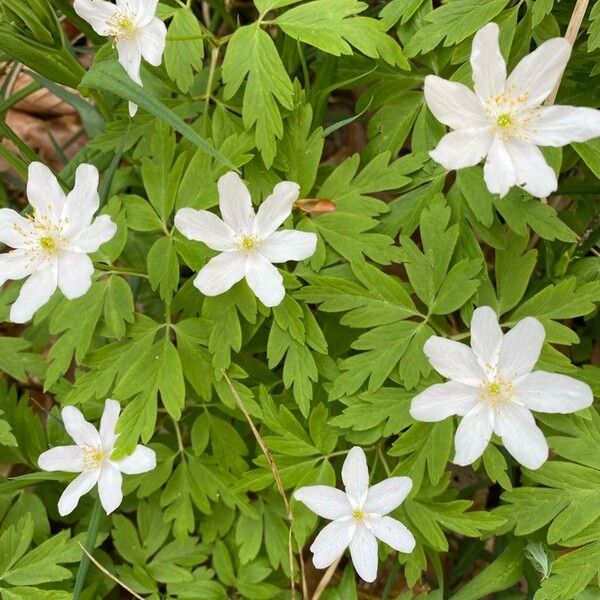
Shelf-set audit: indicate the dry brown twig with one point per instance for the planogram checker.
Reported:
(280, 489)
(325, 580)
(109, 574)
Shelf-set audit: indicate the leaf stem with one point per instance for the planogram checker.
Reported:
(90, 542)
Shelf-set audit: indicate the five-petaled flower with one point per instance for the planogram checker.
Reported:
(137, 32)
(358, 516)
(494, 389)
(52, 247)
(504, 120)
(248, 243)
(91, 457)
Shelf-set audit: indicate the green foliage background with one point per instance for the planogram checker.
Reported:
(327, 93)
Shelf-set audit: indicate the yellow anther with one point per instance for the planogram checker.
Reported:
(504, 120)
(358, 514)
(48, 243)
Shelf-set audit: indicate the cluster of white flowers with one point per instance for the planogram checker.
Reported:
(492, 385)
(504, 120)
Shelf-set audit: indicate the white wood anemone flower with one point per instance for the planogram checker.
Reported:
(358, 516)
(493, 388)
(503, 119)
(90, 456)
(136, 31)
(51, 247)
(249, 243)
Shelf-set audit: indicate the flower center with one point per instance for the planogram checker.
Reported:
(122, 26)
(93, 457)
(358, 514)
(248, 243)
(497, 392)
(48, 243)
(504, 120)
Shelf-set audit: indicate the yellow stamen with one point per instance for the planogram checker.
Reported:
(126, 26)
(48, 243)
(248, 243)
(358, 514)
(497, 393)
(504, 120)
(93, 457)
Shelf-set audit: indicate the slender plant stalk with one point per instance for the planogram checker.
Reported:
(278, 484)
(326, 579)
(90, 542)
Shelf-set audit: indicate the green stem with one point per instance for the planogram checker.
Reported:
(390, 580)
(18, 96)
(90, 542)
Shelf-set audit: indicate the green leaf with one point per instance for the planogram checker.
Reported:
(332, 26)
(184, 49)
(251, 53)
(109, 76)
(163, 267)
(453, 22)
(170, 379)
(504, 572)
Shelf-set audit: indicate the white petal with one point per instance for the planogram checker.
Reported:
(133, 108)
(388, 494)
(331, 543)
(15, 229)
(453, 360)
(464, 148)
(108, 423)
(235, 203)
(521, 436)
(264, 280)
(102, 230)
(110, 487)
(143, 9)
(82, 432)
(325, 501)
(453, 104)
(394, 534)
(499, 172)
(363, 550)
(96, 13)
(473, 435)
(521, 348)
(276, 208)
(62, 458)
(486, 337)
(17, 265)
(130, 58)
(83, 202)
(560, 125)
(532, 172)
(553, 393)
(221, 273)
(282, 246)
(81, 485)
(44, 193)
(141, 460)
(36, 291)
(443, 400)
(537, 74)
(487, 62)
(204, 226)
(355, 475)
(152, 41)
(75, 272)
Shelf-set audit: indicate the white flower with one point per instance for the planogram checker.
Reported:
(493, 388)
(249, 243)
(358, 517)
(504, 119)
(91, 457)
(52, 247)
(137, 32)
